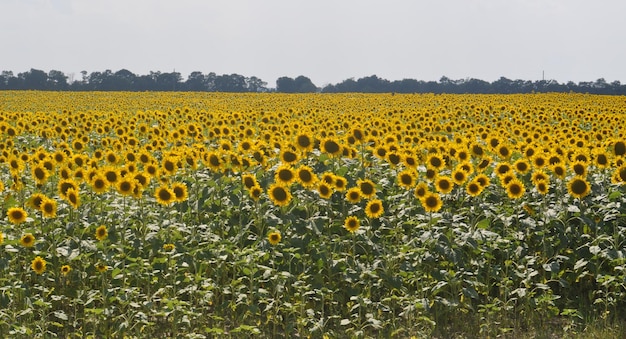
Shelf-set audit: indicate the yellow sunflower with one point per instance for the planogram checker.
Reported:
(515, 189)
(284, 175)
(279, 195)
(353, 195)
(306, 177)
(274, 238)
(255, 192)
(48, 208)
(374, 209)
(431, 202)
(38, 265)
(99, 183)
(65, 270)
(325, 190)
(444, 184)
(330, 146)
(164, 195)
(406, 179)
(474, 188)
(420, 190)
(17, 215)
(180, 191)
(351, 224)
(101, 233)
(367, 188)
(578, 187)
(40, 174)
(27, 240)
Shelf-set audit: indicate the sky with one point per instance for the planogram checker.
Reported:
(327, 41)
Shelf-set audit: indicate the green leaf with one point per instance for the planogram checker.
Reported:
(483, 224)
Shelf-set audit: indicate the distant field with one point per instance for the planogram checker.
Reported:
(360, 215)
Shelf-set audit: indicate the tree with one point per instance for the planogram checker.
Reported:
(255, 84)
(196, 82)
(285, 85)
(304, 85)
(57, 81)
(34, 79)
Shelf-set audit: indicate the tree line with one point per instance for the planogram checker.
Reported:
(125, 80)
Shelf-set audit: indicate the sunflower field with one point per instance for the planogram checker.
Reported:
(197, 215)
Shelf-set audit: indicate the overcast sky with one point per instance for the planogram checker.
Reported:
(325, 40)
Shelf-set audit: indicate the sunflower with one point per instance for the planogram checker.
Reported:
(431, 174)
(305, 176)
(180, 191)
(521, 166)
(274, 238)
(40, 174)
(101, 233)
(214, 161)
(164, 195)
(340, 183)
(102, 267)
(601, 159)
(330, 146)
(169, 165)
(325, 190)
(619, 175)
(579, 168)
(285, 175)
(288, 156)
(279, 195)
(353, 195)
(431, 202)
(64, 185)
(503, 169)
(38, 265)
(248, 180)
(483, 180)
(111, 157)
(126, 186)
(539, 161)
(328, 177)
(503, 151)
(141, 179)
(484, 163)
(559, 170)
(255, 192)
(152, 170)
(1, 238)
(459, 176)
(542, 187)
(111, 174)
(410, 161)
(578, 187)
(374, 209)
(17, 215)
(444, 184)
(27, 240)
(515, 189)
(420, 190)
(65, 172)
(619, 148)
(35, 200)
(65, 270)
(406, 179)
(539, 175)
(367, 188)
(351, 224)
(48, 208)
(474, 188)
(435, 161)
(99, 183)
(304, 142)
